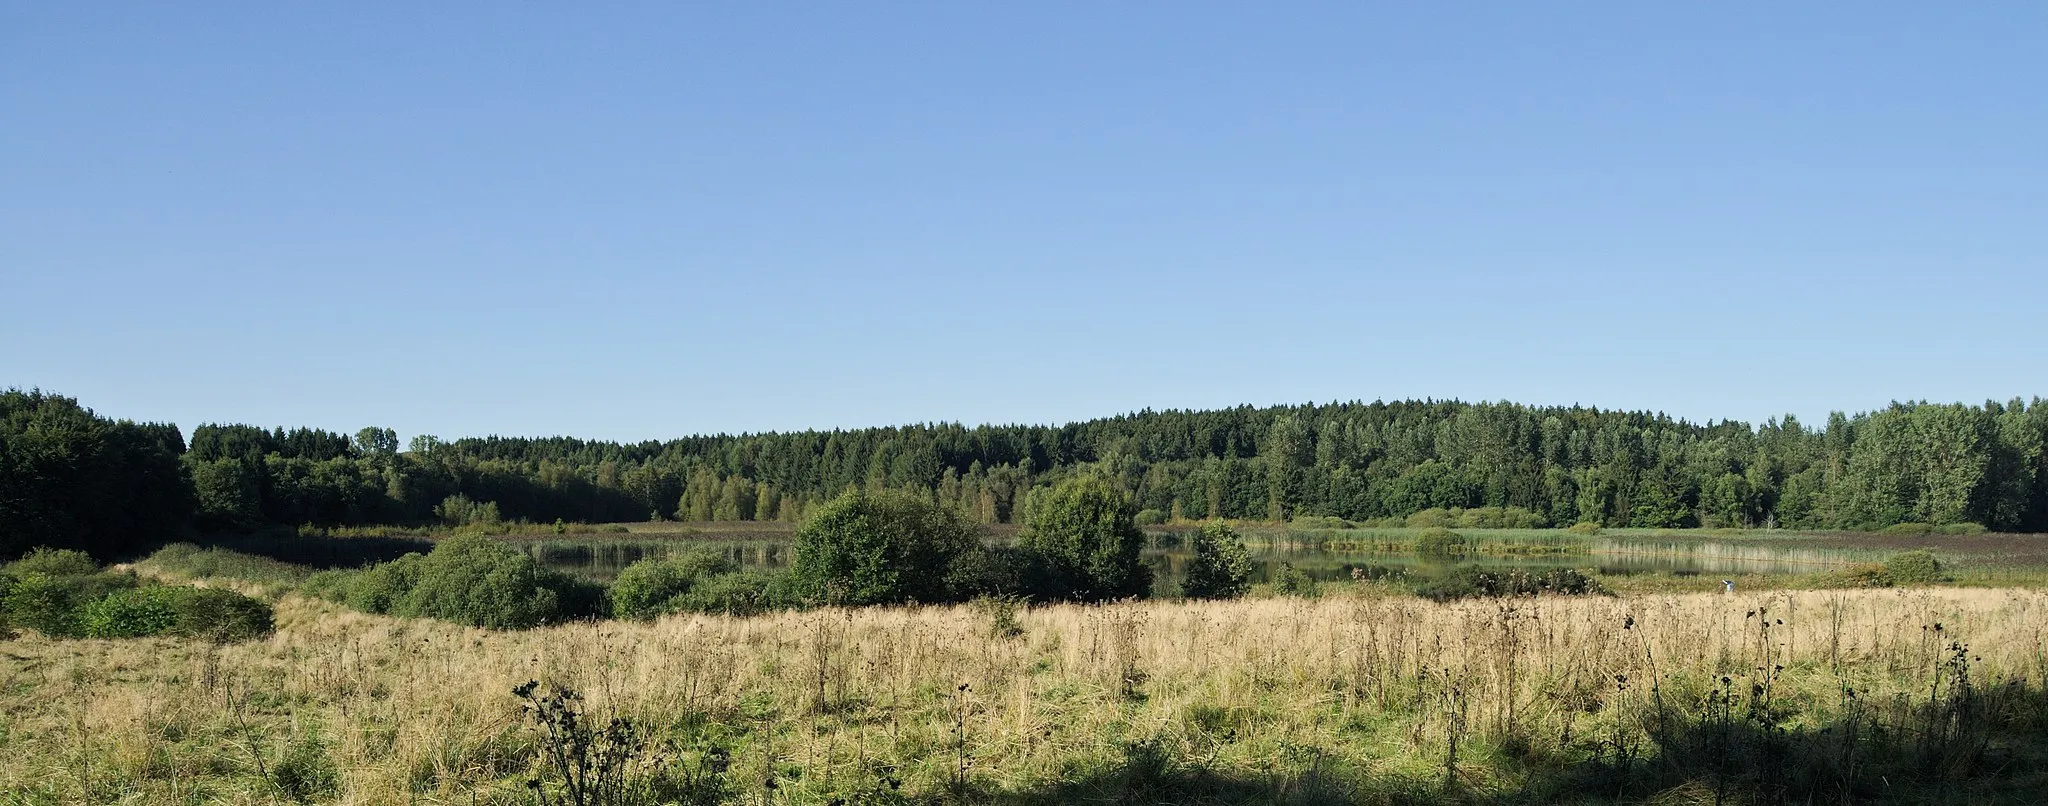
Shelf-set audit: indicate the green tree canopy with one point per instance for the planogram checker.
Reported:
(1083, 529)
(884, 547)
(1221, 568)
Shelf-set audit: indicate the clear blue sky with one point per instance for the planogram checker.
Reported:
(645, 221)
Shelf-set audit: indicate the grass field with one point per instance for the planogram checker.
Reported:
(1363, 697)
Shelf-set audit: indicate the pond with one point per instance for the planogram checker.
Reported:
(601, 559)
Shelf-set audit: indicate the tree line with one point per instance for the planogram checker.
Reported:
(71, 478)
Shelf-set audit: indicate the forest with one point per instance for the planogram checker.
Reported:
(70, 478)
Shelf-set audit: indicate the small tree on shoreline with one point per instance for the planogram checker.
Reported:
(1221, 567)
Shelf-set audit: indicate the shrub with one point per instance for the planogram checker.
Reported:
(379, 588)
(220, 615)
(741, 593)
(999, 571)
(1964, 528)
(1431, 518)
(649, 588)
(1861, 575)
(1497, 518)
(1291, 581)
(1083, 530)
(1149, 517)
(1440, 543)
(1467, 581)
(1001, 614)
(1914, 568)
(54, 605)
(1908, 529)
(1584, 528)
(458, 510)
(1221, 568)
(469, 580)
(130, 613)
(52, 562)
(879, 548)
(181, 610)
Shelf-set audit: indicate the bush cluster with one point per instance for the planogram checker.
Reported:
(1080, 543)
(1918, 567)
(1471, 581)
(467, 580)
(701, 581)
(65, 594)
(867, 548)
(1084, 538)
(1933, 529)
(1221, 567)
(1476, 518)
(1292, 581)
(1440, 543)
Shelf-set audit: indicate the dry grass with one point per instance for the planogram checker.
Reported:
(1359, 698)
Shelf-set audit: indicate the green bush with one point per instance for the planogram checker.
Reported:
(1861, 575)
(1964, 528)
(880, 548)
(996, 571)
(1440, 543)
(1083, 530)
(481, 583)
(54, 605)
(331, 585)
(51, 562)
(468, 580)
(650, 587)
(218, 614)
(1221, 568)
(380, 588)
(1497, 518)
(741, 593)
(1291, 581)
(1468, 581)
(1431, 518)
(180, 610)
(459, 510)
(1909, 529)
(1584, 528)
(1149, 517)
(130, 613)
(1914, 568)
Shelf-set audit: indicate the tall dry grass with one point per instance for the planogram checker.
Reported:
(1359, 699)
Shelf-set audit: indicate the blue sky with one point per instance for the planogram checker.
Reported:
(644, 221)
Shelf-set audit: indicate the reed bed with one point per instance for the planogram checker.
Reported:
(1362, 698)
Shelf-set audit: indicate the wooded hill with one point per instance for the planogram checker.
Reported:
(71, 478)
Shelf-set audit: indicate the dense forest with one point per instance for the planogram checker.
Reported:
(71, 478)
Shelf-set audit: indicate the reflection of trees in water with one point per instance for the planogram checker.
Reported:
(603, 559)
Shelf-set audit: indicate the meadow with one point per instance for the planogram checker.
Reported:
(1363, 695)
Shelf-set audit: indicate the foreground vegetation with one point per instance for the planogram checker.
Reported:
(1906, 696)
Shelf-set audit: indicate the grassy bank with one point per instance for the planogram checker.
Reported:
(1902, 695)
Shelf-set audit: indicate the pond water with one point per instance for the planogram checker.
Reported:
(602, 559)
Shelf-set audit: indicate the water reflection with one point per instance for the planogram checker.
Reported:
(602, 559)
